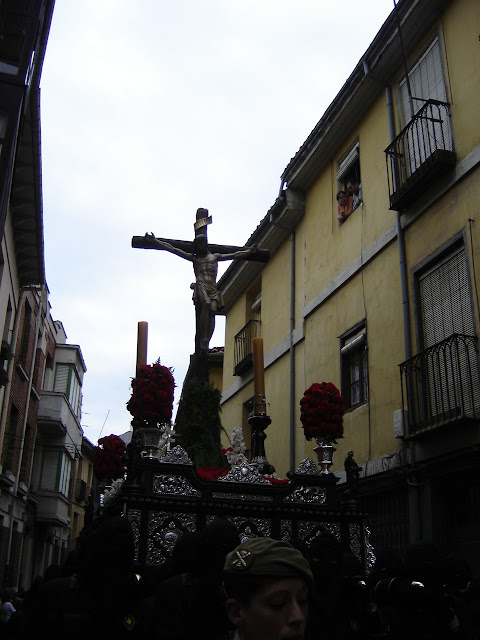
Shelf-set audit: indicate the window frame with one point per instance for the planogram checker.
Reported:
(415, 60)
(457, 243)
(354, 344)
(348, 165)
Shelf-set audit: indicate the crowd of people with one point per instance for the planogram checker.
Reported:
(215, 587)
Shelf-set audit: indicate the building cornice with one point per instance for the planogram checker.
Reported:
(279, 223)
(372, 73)
(369, 78)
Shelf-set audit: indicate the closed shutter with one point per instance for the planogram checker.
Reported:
(452, 377)
(49, 472)
(61, 378)
(445, 300)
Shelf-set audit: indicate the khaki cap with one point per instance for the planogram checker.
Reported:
(268, 558)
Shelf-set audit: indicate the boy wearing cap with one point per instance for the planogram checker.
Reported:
(267, 583)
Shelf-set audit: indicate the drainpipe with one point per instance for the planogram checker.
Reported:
(292, 327)
(407, 336)
(292, 352)
(401, 245)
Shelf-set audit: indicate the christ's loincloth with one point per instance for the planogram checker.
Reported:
(211, 292)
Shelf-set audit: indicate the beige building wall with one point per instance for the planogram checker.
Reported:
(348, 273)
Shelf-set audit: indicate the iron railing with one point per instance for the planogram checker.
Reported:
(419, 152)
(243, 356)
(441, 385)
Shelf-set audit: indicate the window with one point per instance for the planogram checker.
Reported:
(445, 316)
(63, 474)
(426, 82)
(10, 437)
(7, 322)
(349, 166)
(444, 299)
(27, 454)
(354, 366)
(55, 471)
(67, 382)
(432, 130)
(348, 173)
(25, 337)
(243, 341)
(47, 373)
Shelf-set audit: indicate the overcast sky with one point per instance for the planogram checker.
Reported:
(151, 109)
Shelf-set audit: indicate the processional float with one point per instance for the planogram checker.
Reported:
(164, 495)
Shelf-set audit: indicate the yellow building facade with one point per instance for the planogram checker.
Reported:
(385, 303)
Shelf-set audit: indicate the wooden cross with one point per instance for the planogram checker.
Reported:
(202, 220)
(204, 257)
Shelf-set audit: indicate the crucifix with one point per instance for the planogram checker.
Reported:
(205, 257)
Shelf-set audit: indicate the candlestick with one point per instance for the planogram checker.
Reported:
(258, 377)
(142, 344)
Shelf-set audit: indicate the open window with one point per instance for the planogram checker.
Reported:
(423, 150)
(349, 177)
(354, 366)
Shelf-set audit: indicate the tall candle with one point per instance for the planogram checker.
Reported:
(258, 377)
(142, 344)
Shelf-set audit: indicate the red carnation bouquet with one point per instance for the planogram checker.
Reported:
(321, 412)
(152, 395)
(107, 458)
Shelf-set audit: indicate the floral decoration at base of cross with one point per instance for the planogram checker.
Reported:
(151, 401)
(321, 412)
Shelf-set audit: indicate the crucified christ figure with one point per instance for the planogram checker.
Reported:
(205, 257)
(208, 300)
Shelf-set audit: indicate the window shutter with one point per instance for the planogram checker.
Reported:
(426, 81)
(354, 341)
(61, 378)
(348, 161)
(451, 374)
(445, 300)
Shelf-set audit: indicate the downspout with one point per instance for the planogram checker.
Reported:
(292, 327)
(401, 245)
(292, 352)
(407, 336)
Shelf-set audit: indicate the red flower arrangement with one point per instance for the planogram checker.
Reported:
(211, 473)
(152, 395)
(321, 412)
(107, 458)
(214, 473)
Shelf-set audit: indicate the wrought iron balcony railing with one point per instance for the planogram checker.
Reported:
(441, 385)
(243, 356)
(419, 154)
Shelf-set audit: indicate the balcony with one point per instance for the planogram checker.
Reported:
(420, 154)
(56, 417)
(243, 356)
(52, 508)
(441, 385)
